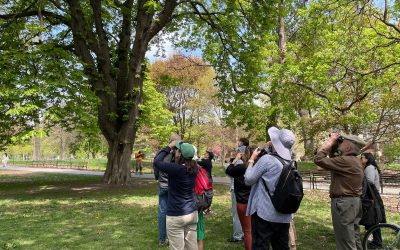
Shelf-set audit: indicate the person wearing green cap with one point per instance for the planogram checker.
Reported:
(182, 215)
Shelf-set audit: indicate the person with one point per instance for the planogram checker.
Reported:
(371, 172)
(139, 158)
(242, 191)
(182, 215)
(237, 232)
(269, 226)
(5, 160)
(206, 162)
(162, 179)
(346, 186)
(201, 232)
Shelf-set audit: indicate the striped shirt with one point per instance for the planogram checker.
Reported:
(268, 168)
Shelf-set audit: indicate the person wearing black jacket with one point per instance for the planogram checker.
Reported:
(371, 187)
(206, 163)
(237, 169)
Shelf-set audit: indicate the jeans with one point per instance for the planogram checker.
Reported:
(237, 228)
(162, 213)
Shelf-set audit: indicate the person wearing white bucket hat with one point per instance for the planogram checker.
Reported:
(282, 141)
(269, 227)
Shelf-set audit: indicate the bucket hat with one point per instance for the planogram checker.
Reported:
(283, 141)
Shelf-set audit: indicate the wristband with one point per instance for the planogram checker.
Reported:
(250, 161)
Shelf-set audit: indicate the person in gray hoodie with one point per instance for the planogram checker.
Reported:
(162, 179)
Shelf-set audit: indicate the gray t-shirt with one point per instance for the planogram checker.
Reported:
(372, 174)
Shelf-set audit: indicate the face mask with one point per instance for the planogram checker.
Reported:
(241, 149)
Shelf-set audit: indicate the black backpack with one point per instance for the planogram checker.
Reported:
(289, 189)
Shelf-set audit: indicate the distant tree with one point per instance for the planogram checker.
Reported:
(185, 82)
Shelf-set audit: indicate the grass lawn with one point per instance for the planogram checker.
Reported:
(48, 211)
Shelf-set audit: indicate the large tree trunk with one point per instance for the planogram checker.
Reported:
(118, 165)
(62, 143)
(119, 84)
(36, 144)
(36, 148)
(307, 134)
(281, 32)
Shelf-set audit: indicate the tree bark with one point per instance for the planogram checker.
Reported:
(120, 93)
(36, 148)
(36, 144)
(308, 138)
(118, 164)
(281, 32)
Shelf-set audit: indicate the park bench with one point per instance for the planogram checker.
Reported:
(306, 175)
(390, 179)
(320, 176)
(79, 165)
(37, 164)
(71, 164)
(60, 164)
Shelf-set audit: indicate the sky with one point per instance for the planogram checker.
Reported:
(169, 48)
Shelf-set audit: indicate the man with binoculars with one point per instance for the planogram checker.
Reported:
(346, 186)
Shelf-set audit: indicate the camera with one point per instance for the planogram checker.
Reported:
(334, 151)
(339, 139)
(264, 151)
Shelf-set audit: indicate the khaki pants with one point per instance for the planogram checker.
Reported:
(292, 236)
(346, 216)
(181, 231)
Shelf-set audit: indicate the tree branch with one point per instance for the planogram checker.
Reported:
(370, 72)
(81, 40)
(395, 27)
(103, 55)
(30, 13)
(124, 40)
(162, 19)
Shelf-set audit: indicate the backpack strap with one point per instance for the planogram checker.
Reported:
(266, 188)
(281, 160)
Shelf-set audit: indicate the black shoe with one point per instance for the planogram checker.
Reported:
(234, 240)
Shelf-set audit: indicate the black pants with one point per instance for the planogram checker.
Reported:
(265, 232)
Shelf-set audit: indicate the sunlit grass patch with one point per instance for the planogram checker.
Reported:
(49, 211)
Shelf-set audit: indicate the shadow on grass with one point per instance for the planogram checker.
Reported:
(76, 212)
(61, 186)
(62, 212)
